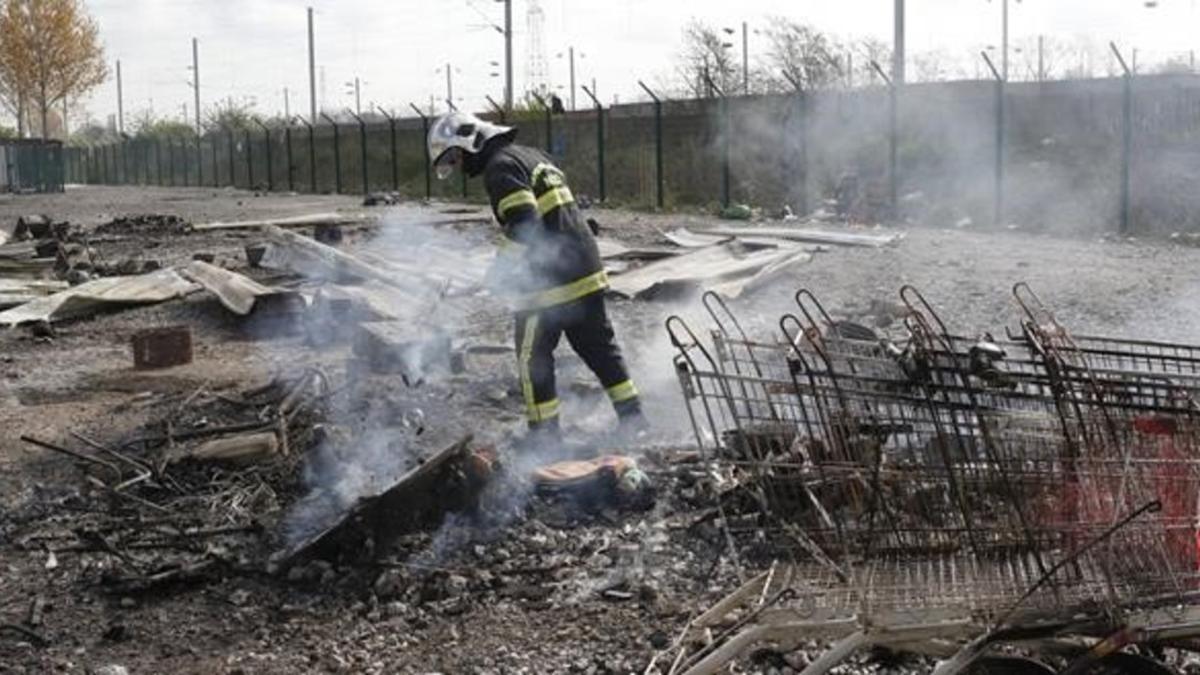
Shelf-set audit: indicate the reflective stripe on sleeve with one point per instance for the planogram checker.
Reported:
(515, 199)
(554, 198)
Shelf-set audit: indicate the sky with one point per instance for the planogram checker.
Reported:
(251, 50)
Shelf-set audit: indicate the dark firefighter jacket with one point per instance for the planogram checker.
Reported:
(553, 258)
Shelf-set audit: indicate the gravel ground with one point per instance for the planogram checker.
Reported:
(476, 619)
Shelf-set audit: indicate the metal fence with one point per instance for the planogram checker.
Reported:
(1105, 154)
(28, 165)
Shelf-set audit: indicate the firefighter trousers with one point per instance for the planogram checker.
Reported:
(589, 332)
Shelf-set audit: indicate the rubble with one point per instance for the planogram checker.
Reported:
(145, 226)
(449, 480)
(32, 227)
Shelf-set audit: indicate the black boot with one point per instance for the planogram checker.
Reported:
(632, 426)
(543, 438)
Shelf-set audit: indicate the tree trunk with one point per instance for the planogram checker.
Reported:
(20, 116)
(44, 104)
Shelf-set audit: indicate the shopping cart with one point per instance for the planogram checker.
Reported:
(923, 479)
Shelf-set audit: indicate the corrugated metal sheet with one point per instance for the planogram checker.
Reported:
(101, 294)
(869, 240)
(293, 221)
(14, 292)
(238, 293)
(728, 268)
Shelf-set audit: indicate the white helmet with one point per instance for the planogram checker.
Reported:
(458, 132)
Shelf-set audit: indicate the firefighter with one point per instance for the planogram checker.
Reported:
(548, 265)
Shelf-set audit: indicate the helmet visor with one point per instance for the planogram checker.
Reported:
(450, 160)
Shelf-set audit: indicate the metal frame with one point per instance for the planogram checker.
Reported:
(949, 495)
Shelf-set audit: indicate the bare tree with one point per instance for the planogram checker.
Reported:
(706, 54)
(803, 54)
(873, 50)
(1180, 64)
(230, 114)
(147, 125)
(931, 66)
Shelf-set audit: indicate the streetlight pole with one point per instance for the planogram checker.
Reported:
(120, 103)
(357, 94)
(312, 71)
(196, 79)
(1004, 38)
(571, 50)
(745, 59)
(898, 73)
(508, 55)
(449, 85)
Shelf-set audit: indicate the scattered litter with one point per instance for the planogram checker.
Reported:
(382, 199)
(607, 480)
(737, 212)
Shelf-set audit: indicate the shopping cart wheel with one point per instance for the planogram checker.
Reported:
(1129, 664)
(1007, 665)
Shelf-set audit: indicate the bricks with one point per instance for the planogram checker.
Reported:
(328, 233)
(162, 347)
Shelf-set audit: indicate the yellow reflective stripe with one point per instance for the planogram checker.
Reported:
(553, 199)
(625, 391)
(523, 360)
(538, 170)
(515, 199)
(540, 412)
(568, 292)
